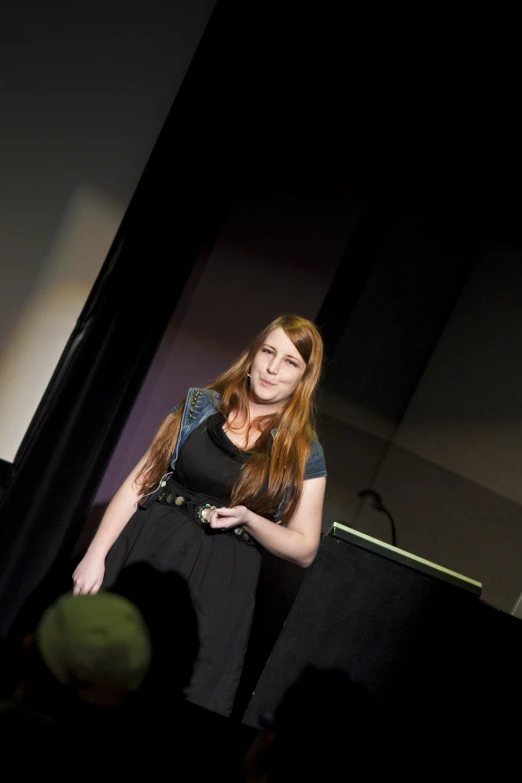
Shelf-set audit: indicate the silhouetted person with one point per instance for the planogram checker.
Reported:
(80, 670)
(164, 600)
(326, 728)
(55, 583)
(198, 741)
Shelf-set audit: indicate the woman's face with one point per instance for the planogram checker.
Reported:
(276, 370)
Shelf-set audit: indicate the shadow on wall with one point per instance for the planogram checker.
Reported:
(353, 456)
(454, 522)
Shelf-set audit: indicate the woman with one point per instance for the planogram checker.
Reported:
(230, 461)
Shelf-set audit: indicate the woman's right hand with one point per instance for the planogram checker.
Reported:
(88, 575)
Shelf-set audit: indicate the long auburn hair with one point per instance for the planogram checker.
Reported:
(275, 471)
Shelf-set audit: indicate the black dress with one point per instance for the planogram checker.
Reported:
(221, 570)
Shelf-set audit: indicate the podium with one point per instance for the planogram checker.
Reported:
(413, 633)
(445, 667)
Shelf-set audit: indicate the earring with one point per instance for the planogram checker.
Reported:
(248, 375)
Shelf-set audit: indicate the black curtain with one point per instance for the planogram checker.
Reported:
(176, 211)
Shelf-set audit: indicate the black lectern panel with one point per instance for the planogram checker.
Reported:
(397, 629)
(444, 666)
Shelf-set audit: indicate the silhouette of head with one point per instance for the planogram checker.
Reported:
(324, 723)
(164, 601)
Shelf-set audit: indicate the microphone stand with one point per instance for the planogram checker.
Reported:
(373, 499)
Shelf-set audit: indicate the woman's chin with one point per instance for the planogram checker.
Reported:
(264, 395)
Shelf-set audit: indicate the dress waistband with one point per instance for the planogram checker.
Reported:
(186, 496)
(171, 493)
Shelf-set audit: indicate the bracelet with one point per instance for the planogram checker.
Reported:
(203, 512)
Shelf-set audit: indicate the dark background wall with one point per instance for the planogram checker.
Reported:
(452, 473)
(382, 348)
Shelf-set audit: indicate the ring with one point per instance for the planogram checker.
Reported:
(204, 512)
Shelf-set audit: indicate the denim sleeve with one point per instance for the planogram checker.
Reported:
(316, 466)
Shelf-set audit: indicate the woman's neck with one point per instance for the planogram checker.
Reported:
(245, 433)
(255, 409)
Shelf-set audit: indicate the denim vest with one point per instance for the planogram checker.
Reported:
(201, 403)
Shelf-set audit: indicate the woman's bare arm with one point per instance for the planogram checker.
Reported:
(118, 512)
(88, 576)
(299, 541)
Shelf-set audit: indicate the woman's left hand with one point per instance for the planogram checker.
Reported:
(223, 518)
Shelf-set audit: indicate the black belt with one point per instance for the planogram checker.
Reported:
(174, 494)
(171, 498)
